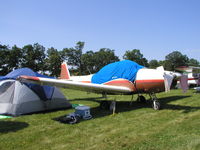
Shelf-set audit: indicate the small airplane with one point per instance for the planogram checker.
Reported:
(193, 74)
(149, 81)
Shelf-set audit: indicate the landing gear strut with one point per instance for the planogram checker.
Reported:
(156, 103)
(107, 105)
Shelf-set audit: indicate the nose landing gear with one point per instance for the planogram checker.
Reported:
(156, 103)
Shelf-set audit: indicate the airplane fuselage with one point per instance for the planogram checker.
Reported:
(147, 81)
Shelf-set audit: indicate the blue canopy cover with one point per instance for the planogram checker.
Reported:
(125, 69)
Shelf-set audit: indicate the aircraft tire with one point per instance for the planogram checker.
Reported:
(104, 105)
(156, 105)
(141, 99)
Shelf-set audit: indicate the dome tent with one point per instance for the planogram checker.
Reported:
(18, 98)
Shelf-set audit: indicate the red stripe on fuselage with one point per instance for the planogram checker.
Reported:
(150, 81)
(192, 78)
(152, 85)
(121, 82)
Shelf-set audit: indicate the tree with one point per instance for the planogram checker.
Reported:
(136, 56)
(15, 58)
(161, 63)
(3, 47)
(89, 62)
(73, 56)
(34, 57)
(175, 59)
(103, 57)
(53, 61)
(93, 62)
(4, 61)
(194, 62)
(153, 64)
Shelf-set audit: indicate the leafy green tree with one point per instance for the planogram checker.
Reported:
(3, 47)
(194, 62)
(135, 55)
(73, 56)
(34, 57)
(4, 61)
(161, 63)
(15, 58)
(53, 61)
(153, 64)
(93, 62)
(89, 62)
(175, 59)
(103, 57)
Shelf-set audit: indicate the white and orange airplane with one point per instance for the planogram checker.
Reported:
(192, 72)
(148, 81)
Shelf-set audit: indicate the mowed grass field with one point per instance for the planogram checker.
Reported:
(137, 126)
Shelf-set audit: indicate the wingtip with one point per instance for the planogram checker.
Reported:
(29, 78)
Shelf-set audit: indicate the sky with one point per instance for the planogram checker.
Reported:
(155, 27)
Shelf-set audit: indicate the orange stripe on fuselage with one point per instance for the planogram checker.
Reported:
(150, 81)
(150, 85)
(30, 78)
(121, 82)
(86, 81)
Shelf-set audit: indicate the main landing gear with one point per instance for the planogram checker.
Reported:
(141, 99)
(155, 101)
(108, 105)
(105, 104)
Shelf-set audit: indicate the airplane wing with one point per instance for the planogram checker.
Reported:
(90, 87)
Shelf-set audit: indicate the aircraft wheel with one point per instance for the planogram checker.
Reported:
(104, 105)
(156, 105)
(141, 99)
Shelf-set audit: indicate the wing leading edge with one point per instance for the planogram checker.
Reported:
(90, 87)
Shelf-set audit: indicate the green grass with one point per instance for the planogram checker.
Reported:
(175, 126)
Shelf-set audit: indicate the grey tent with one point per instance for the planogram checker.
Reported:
(17, 98)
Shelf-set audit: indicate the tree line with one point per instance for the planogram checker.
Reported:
(47, 61)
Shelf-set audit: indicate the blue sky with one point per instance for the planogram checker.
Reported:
(156, 27)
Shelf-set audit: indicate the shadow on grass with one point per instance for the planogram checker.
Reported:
(186, 109)
(46, 111)
(168, 99)
(11, 126)
(124, 106)
(94, 99)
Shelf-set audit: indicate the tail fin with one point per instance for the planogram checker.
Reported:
(64, 74)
